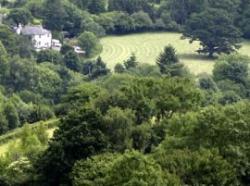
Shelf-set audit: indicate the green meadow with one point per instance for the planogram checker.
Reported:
(147, 47)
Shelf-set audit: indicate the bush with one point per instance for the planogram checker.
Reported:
(89, 43)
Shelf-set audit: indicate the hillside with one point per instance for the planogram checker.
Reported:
(140, 92)
(13, 136)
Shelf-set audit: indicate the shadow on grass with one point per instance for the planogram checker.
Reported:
(196, 57)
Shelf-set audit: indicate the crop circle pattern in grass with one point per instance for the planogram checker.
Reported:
(147, 47)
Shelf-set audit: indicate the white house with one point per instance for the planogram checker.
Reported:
(40, 37)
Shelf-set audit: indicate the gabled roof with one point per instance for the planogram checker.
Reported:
(34, 30)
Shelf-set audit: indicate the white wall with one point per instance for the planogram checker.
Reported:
(42, 41)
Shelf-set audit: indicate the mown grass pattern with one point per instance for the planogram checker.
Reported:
(147, 47)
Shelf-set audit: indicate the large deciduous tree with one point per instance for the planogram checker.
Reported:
(54, 15)
(130, 168)
(20, 16)
(215, 29)
(80, 136)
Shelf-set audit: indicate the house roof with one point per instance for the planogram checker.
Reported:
(34, 30)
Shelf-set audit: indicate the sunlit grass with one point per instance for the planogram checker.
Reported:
(147, 47)
(12, 136)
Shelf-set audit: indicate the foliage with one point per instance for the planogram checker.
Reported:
(86, 138)
(49, 56)
(99, 69)
(145, 125)
(215, 30)
(202, 167)
(20, 16)
(16, 164)
(233, 67)
(131, 62)
(131, 168)
(89, 43)
(223, 128)
(72, 61)
(119, 68)
(168, 62)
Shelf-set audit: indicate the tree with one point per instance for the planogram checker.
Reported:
(131, 62)
(201, 167)
(83, 4)
(8, 39)
(206, 82)
(142, 21)
(4, 64)
(11, 116)
(99, 69)
(89, 43)
(123, 23)
(75, 20)
(134, 168)
(97, 6)
(130, 6)
(215, 29)
(119, 68)
(95, 28)
(180, 11)
(20, 16)
(25, 47)
(94, 170)
(119, 124)
(231, 6)
(168, 57)
(81, 95)
(244, 20)
(229, 97)
(25, 74)
(215, 127)
(79, 137)
(72, 61)
(54, 15)
(168, 62)
(49, 56)
(3, 123)
(130, 168)
(232, 67)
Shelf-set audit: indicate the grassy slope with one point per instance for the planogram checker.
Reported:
(147, 47)
(11, 136)
(4, 147)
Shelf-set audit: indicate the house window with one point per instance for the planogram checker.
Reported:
(39, 43)
(40, 36)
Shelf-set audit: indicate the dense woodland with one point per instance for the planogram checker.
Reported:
(136, 124)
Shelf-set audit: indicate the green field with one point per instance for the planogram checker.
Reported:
(147, 47)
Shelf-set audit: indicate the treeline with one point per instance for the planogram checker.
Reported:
(219, 26)
(121, 16)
